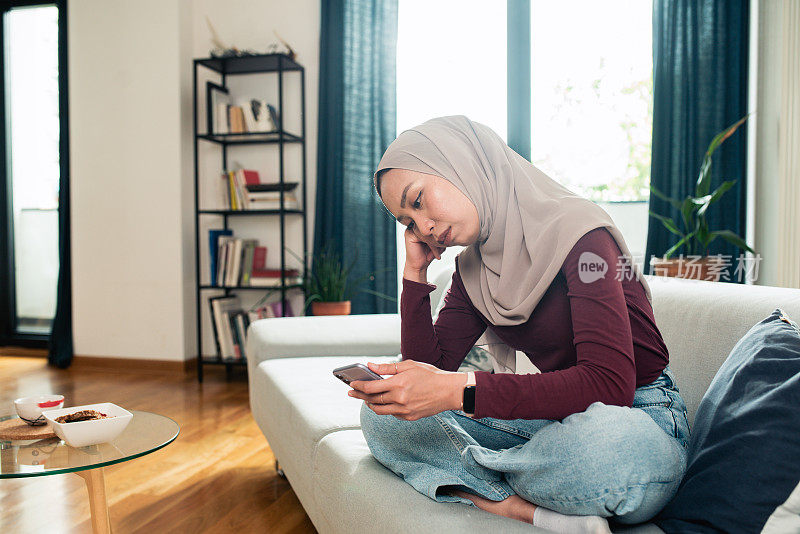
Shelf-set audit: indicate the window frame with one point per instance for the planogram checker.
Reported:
(518, 107)
(8, 316)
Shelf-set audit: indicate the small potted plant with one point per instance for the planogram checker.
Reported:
(328, 286)
(696, 235)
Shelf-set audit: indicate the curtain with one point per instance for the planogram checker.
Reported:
(357, 121)
(700, 53)
(60, 349)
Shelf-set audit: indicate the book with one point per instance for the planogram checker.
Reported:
(236, 338)
(235, 264)
(247, 260)
(260, 257)
(223, 337)
(232, 194)
(236, 120)
(266, 273)
(273, 205)
(282, 310)
(266, 195)
(285, 186)
(259, 202)
(249, 116)
(229, 246)
(251, 178)
(213, 249)
(242, 322)
(273, 281)
(244, 194)
(222, 258)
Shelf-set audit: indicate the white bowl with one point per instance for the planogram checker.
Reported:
(83, 433)
(30, 409)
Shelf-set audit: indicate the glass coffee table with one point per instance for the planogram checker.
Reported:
(147, 432)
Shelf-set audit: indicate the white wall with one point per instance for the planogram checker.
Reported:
(131, 159)
(126, 178)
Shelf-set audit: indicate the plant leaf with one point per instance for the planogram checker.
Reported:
(704, 178)
(724, 134)
(675, 204)
(668, 223)
(687, 211)
(678, 245)
(733, 239)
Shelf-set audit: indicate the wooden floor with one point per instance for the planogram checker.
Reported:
(217, 476)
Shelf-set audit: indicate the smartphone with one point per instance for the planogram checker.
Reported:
(356, 371)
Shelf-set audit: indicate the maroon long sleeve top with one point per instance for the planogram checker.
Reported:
(593, 340)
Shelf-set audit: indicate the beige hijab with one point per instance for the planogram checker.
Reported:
(528, 221)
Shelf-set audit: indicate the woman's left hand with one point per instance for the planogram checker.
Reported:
(416, 390)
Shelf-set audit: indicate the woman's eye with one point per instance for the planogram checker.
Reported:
(416, 203)
(410, 225)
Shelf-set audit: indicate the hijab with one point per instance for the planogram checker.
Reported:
(528, 222)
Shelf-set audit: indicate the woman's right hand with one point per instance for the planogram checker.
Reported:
(420, 252)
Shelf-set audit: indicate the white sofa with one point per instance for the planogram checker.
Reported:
(313, 427)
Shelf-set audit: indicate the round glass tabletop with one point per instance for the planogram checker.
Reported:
(147, 432)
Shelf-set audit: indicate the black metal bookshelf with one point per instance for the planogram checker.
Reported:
(278, 65)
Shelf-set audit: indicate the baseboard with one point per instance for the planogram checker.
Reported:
(23, 351)
(138, 365)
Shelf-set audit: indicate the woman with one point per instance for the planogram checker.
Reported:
(602, 431)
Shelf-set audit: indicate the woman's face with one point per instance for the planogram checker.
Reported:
(435, 209)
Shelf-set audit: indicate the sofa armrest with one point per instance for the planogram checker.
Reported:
(340, 335)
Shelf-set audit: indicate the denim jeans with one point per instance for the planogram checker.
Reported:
(611, 461)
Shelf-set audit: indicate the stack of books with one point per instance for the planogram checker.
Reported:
(237, 262)
(244, 191)
(250, 116)
(230, 322)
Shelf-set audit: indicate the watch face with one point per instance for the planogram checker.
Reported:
(469, 399)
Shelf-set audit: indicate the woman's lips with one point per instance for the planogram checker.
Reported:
(446, 237)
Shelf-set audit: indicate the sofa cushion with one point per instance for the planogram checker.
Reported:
(743, 452)
(354, 490)
(300, 401)
(701, 321)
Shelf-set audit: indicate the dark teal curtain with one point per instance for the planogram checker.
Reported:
(60, 343)
(700, 52)
(357, 122)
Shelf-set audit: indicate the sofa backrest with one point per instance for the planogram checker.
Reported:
(700, 322)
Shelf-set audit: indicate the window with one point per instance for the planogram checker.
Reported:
(591, 90)
(32, 169)
(451, 60)
(592, 95)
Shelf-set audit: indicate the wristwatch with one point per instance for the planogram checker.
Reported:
(468, 400)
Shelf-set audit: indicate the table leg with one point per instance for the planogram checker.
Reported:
(96, 485)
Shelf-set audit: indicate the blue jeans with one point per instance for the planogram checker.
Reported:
(610, 461)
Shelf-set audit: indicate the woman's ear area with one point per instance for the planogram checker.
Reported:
(377, 181)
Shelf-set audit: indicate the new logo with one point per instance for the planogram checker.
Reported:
(591, 267)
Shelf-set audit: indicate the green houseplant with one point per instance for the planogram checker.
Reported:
(328, 285)
(695, 235)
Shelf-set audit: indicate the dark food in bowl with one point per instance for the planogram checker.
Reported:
(83, 415)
